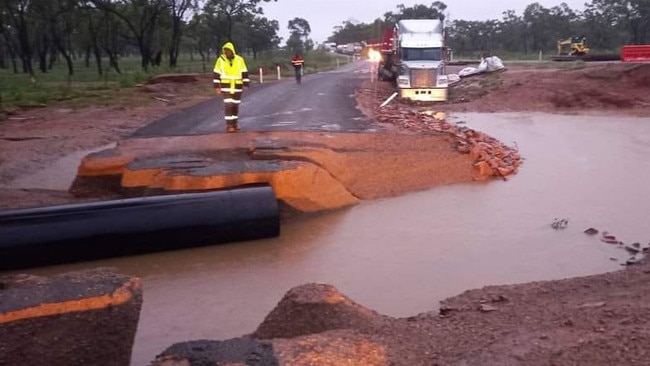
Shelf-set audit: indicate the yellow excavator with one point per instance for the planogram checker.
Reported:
(571, 49)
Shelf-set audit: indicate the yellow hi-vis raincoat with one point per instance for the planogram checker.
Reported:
(230, 74)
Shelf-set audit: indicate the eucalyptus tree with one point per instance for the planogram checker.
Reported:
(350, 32)
(89, 35)
(512, 32)
(141, 18)
(539, 35)
(600, 27)
(259, 34)
(55, 21)
(564, 22)
(8, 43)
(631, 16)
(178, 10)
(17, 30)
(418, 11)
(468, 36)
(227, 12)
(203, 36)
(299, 41)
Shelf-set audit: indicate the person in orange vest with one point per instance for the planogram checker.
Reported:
(230, 78)
(298, 62)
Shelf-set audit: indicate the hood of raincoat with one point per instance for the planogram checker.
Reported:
(228, 46)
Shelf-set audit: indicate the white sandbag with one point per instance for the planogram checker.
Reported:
(453, 78)
(468, 71)
(482, 67)
(493, 63)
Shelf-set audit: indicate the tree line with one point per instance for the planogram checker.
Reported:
(35, 34)
(42, 32)
(607, 24)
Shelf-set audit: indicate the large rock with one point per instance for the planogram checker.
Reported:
(238, 351)
(314, 324)
(79, 318)
(314, 308)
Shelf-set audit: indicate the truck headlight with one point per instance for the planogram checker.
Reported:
(403, 81)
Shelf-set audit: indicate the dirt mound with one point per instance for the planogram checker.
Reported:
(639, 74)
(174, 78)
(169, 87)
(474, 87)
(587, 88)
(314, 308)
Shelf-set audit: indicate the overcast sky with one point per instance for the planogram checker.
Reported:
(323, 15)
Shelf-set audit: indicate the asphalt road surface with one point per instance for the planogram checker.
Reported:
(322, 102)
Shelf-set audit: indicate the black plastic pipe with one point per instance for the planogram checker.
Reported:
(67, 233)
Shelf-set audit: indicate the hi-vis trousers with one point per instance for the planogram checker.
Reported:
(231, 103)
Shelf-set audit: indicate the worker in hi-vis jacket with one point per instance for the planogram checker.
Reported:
(298, 62)
(230, 77)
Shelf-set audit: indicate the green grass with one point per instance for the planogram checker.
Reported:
(546, 64)
(87, 87)
(505, 56)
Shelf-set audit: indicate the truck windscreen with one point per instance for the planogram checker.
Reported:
(421, 54)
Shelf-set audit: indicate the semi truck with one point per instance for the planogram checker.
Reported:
(414, 57)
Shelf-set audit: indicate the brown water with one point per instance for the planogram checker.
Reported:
(400, 256)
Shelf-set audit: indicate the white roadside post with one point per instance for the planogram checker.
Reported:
(392, 96)
(261, 76)
(279, 76)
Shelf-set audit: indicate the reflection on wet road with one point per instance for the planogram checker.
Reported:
(400, 256)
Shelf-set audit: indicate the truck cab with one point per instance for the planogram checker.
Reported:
(420, 60)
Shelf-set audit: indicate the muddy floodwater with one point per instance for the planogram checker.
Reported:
(400, 256)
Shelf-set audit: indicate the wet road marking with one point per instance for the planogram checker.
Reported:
(331, 127)
(283, 123)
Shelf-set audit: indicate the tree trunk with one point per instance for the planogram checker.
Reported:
(176, 41)
(26, 50)
(53, 58)
(12, 56)
(95, 47)
(112, 60)
(87, 57)
(3, 61)
(41, 50)
(145, 57)
(65, 54)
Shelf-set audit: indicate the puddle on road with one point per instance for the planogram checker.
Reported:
(58, 176)
(400, 256)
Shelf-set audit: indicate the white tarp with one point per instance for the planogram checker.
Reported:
(492, 63)
(488, 64)
(467, 71)
(453, 78)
